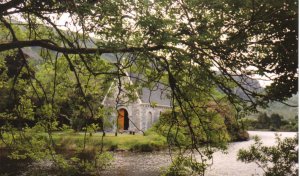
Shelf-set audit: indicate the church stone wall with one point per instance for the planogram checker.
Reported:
(142, 115)
(134, 117)
(150, 115)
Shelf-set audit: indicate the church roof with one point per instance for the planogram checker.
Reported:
(158, 94)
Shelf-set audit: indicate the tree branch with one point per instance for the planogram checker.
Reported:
(50, 45)
(11, 4)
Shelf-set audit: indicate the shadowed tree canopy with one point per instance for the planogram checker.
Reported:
(248, 38)
(201, 50)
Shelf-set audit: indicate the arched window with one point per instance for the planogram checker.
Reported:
(149, 120)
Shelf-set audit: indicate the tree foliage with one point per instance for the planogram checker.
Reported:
(273, 122)
(281, 159)
(194, 48)
(229, 35)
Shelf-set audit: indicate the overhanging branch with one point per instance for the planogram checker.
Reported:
(11, 4)
(52, 46)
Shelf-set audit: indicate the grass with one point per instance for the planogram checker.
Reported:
(70, 141)
(122, 142)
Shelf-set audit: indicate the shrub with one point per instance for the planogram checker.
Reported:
(142, 147)
(113, 147)
(281, 159)
(183, 166)
(77, 124)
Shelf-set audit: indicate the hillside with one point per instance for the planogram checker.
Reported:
(286, 111)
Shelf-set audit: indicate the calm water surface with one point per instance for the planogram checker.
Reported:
(150, 164)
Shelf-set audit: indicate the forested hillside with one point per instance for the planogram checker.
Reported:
(286, 111)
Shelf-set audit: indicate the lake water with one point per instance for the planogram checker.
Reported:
(150, 164)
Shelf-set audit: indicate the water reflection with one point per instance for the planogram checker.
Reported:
(150, 164)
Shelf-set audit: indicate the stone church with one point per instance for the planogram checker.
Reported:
(139, 114)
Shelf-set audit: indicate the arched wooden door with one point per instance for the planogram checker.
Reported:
(123, 120)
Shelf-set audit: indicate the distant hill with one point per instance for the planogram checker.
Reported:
(286, 111)
(249, 84)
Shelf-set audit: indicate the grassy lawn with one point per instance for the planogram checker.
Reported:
(137, 142)
(71, 141)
